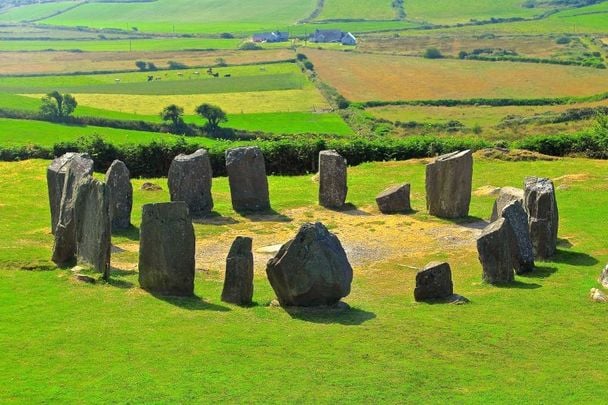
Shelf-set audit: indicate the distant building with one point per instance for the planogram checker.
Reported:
(277, 36)
(333, 36)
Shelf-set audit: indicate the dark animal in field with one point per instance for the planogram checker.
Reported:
(228, 75)
(210, 71)
(158, 78)
(150, 78)
(216, 75)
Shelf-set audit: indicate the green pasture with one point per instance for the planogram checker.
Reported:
(537, 340)
(119, 45)
(352, 9)
(34, 11)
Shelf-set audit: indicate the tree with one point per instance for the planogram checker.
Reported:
(141, 65)
(174, 114)
(213, 114)
(57, 106)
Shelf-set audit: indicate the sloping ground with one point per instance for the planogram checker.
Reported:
(364, 77)
(353, 9)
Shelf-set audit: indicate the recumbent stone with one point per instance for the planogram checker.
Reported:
(394, 199)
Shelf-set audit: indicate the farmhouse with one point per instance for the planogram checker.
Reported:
(333, 36)
(277, 36)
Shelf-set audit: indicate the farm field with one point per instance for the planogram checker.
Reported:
(352, 9)
(361, 77)
(35, 12)
(120, 45)
(24, 63)
(372, 343)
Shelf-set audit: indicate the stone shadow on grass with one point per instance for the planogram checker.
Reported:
(573, 258)
(454, 299)
(120, 283)
(194, 303)
(350, 209)
(340, 313)
(131, 233)
(518, 285)
(540, 272)
(214, 218)
(265, 216)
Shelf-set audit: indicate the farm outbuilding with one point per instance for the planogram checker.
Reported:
(271, 37)
(333, 36)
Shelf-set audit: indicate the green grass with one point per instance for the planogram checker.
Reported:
(291, 123)
(352, 9)
(119, 45)
(186, 16)
(539, 341)
(34, 11)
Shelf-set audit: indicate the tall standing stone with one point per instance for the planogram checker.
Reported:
(166, 249)
(120, 190)
(506, 196)
(332, 179)
(55, 177)
(190, 179)
(64, 249)
(543, 217)
(247, 178)
(238, 282)
(495, 253)
(93, 225)
(521, 243)
(448, 185)
(434, 282)
(310, 270)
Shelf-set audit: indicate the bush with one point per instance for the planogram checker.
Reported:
(432, 53)
(250, 46)
(563, 40)
(309, 65)
(176, 65)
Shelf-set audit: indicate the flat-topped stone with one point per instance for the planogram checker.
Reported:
(190, 178)
(434, 282)
(495, 253)
(247, 178)
(332, 179)
(448, 185)
(506, 196)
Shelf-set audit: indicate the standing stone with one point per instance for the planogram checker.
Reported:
(64, 249)
(506, 196)
(238, 283)
(55, 177)
(449, 182)
(521, 243)
(603, 280)
(495, 253)
(332, 179)
(120, 189)
(394, 199)
(311, 269)
(93, 225)
(190, 181)
(247, 178)
(434, 282)
(543, 217)
(166, 249)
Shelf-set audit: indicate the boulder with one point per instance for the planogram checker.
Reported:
(190, 179)
(247, 178)
(166, 249)
(238, 282)
(597, 295)
(120, 190)
(521, 243)
(434, 282)
(394, 199)
(495, 252)
(505, 197)
(55, 177)
(64, 248)
(310, 270)
(543, 217)
(93, 225)
(603, 280)
(448, 185)
(332, 179)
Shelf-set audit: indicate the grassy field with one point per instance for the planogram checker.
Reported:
(362, 77)
(23, 63)
(35, 12)
(184, 16)
(388, 348)
(352, 9)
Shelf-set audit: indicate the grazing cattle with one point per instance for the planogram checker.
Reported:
(228, 75)
(150, 78)
(216, 75)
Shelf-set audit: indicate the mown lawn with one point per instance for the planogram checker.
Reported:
(539, 340)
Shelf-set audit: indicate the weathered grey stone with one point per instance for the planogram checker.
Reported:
(521, 243)
(394, 199)
(64, 249)
(603, 280)
(166, 249)
(55, 177)
(247, 178)
(120, 189)
(505, 197)
(448, 185)
(93, 225)
(190, 179)
(434, 282)
(238, 282)
(543, 217)
(495, 253)
(332, 179)
(310, 270)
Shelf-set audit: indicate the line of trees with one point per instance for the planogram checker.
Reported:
(213, 114)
